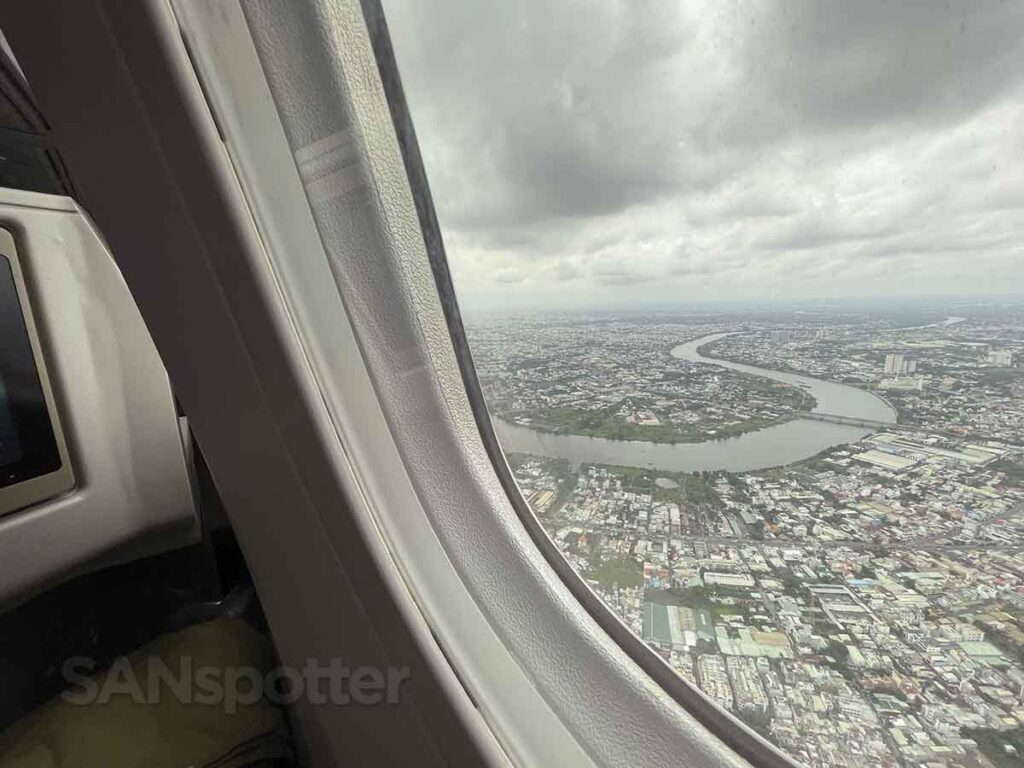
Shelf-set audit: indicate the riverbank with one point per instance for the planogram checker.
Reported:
(668, 434)
(608, 424)
(770, 446)
(831, 397)
(708, 350)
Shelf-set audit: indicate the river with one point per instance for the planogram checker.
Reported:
(769, 447)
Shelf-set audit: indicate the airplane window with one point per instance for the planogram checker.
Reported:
(28, 159)
(742, 285)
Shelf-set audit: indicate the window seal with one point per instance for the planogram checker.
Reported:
(724, 724)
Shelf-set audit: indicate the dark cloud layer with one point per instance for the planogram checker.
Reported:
(629, 151)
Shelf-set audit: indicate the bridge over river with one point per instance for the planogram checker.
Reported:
(853, 421)
(843, 414)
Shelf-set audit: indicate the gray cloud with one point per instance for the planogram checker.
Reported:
(648, 150)
(853, 65)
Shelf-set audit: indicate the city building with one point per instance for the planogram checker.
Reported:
(1003, 358)
(899, 364)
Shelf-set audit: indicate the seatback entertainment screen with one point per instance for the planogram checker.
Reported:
(28, 446)
(34, 460)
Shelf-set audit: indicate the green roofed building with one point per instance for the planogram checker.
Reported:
(983, 651)
(670, 627)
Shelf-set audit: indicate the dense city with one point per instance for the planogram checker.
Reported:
(618, 380)
(862, 605)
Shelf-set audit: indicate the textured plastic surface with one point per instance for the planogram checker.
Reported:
(325, 84)
(350, 464)
(150, 164)
(133, 495)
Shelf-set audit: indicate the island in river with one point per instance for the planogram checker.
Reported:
(772, 445)
(686, 403)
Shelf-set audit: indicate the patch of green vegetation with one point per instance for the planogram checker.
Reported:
(838, 651)
(999, 377)
(692, 597)
(814, 464)
(557, 467)
(1004, 748)
(663, 495)
(734, 480)
(793, 397)
(725, 431)
(1014, 471)
(607, 424)
(718, 606)
(633, 479)
(560, 469)
(792, 584)
(697, 489)
(566, 487)
(693, 488)
(624, 571)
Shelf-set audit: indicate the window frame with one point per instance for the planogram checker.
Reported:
(721, 722)
(349, 434)
(367, 84)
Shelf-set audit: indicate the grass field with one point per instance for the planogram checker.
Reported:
(626, 572)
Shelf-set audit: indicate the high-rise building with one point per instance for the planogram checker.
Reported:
(1001, 357)
(899, 364)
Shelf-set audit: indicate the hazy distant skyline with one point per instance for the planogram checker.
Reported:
(646, 151)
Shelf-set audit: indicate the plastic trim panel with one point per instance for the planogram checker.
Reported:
(133, 495)
(327, 87)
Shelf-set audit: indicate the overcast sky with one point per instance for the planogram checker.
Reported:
(623, 152)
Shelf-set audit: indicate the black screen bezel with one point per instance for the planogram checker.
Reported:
(24, 389)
